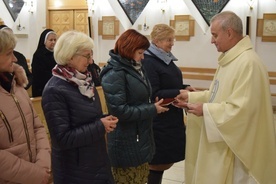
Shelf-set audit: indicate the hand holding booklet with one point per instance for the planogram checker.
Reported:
(167, 101)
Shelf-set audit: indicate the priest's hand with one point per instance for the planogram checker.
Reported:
(195, 108)
(181, 100)
(190, 88)
(183, 96)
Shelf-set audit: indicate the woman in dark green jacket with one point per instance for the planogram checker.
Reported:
(127, 92)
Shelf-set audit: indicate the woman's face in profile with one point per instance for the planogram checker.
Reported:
(166, 44)
(81, 61)
(51, 41)
(6, 61)
(138, 55)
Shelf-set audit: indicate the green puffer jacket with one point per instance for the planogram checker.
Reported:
(127, 96)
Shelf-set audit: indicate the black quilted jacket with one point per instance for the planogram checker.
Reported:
(77, 135)
(128, 97)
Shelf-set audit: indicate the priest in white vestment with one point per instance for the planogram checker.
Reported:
(230, 129)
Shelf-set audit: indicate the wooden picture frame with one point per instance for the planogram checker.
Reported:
(266, 27)
(184, 27)
(108, 27)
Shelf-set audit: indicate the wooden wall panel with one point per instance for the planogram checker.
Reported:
(81, 21)
(61, 20)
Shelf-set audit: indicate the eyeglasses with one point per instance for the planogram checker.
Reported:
(88, 56)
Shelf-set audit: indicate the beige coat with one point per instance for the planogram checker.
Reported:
(24, 146)
(237, 123)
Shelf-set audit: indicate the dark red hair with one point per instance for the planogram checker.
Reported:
(130, 41)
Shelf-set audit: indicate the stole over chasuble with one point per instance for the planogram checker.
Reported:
(237, 124)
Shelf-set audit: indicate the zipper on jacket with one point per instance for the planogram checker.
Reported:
(137, 133)
(6, 123)
(137, 136)
(25, 126)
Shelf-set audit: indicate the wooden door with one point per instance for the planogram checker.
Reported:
(61, 20)
(64, 20)
(81, 21)
(64, 15)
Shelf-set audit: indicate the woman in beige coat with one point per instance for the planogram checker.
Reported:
(24, 146)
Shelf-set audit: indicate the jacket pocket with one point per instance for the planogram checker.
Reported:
(7, 125)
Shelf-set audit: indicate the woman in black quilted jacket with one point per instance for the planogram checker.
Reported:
(74, 117)
(166, 82)
(127, 92)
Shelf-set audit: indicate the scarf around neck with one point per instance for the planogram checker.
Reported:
(167, 57)
(71, 75)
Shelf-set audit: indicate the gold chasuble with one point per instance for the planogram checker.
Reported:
(234, 141)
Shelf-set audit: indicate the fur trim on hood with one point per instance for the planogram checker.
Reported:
(20, 75)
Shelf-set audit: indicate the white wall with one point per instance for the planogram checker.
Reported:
(197, 52)
(33, 24)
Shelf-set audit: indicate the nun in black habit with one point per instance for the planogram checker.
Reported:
(43, 61)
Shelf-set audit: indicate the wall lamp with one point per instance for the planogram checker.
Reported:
(91, 5)
(145, 26)
(30, 5)
(162, 5)
(19, 27)
(250, 4)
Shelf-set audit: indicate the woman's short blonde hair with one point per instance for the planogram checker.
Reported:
(161, 32)
(69, 44)
(7, 41)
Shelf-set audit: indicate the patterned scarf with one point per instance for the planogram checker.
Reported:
(82, 80)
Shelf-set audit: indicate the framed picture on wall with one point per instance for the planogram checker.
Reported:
(108, 27)
(14, 7)
(266, 27)
(184, 26)
(209, 8)
(133, 8)
(269, 27)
